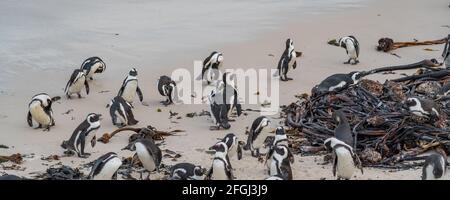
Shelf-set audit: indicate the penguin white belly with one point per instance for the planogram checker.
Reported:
(219, 170)
(109, 169)
(340, 85)
(129, 92)
(145, 157)
(209, 74)
(293, 58)
(39, 115)
(273, 167)
(352, 51)
(93, 69)
(345, 165)
(77, 86)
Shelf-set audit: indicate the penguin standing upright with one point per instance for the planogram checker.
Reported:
(121, 112)
(254, 140)
(345, 160)
(167, 88)
(76, 83)
(446, 53)
(280, 139)
(130, 87)
(93, 65)
(85, 131)
(435, 167)
(40, 113)
(288, 60)
(343, 131)
(186, 171)
(230, 93)
(105, 167)
(280, 165)
(336, 82)
(220, 169)
(148, 153)
(351, 45)
(218, 110)
(211, 66)
(423, 107)
(231, 141)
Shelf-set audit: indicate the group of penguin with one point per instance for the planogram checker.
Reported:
(223, 100)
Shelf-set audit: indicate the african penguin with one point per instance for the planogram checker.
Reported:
(130, 87)
(280, 139)
(282, 159)
(84, 132)
(336, 82)
(76, 83)
(423, 107)
(435, 167)
(219, 111)
(211, 66)
(345, 160)
(121, 112)
(105, 167)
(288, 60)
(148, 153)
(254, 140)
(230, 93)
(40, 113)
(351, 45)
(167, 88)
(220, 169)
(342, 131)
(186, 171)
(93, 65)
(446, 53)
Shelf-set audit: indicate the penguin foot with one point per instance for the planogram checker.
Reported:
(214, 128)
(289, 79)
(79, 96)
(348, 62)
(68, 96)
(91, 78)
(85, 155)
(46, 129)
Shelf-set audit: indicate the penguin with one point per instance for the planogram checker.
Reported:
(446, 53)
(220, 169)
(351, 45)
(231, 141)
(148, 153)
(280, 139)
(345, 160)
(219, 111)
(336, 82)
(254, 138)
(93, 65)
(85, 131)
(230, 93)
(121, 112)
(343, 131)
(167, 88)
(40, 113)
(186, 171)
(435, 167)
(423, 107)
(211, 66)
(76, 83)
(105, 167)
(288, 60)
(280, 165)
(130, 87)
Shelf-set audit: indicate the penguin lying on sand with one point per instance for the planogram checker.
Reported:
(351, 46)
(105, 167)
(130, 87)
(148, 153)
(336, 82)
(76, 83)
(423, 107)
(93, 65)
(186, 171)
(435, 167)
(84, 132)
(40, 114)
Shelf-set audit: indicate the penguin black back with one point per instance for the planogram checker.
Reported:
(343, 131)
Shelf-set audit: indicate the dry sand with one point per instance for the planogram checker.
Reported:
(401, 20)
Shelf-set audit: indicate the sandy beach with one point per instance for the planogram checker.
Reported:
(402, 20)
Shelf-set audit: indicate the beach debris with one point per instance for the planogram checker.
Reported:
(51, 158)
(144, 132)
(172, 114)
(386, 133)
(271, 55)
(61, 173)
(3, 146)
(67, 112)
(202, 113)
(15, 158)
(387, 44)
(266, 103)
(104, 91)
(333, 42)
(158, 110)
(428, 49)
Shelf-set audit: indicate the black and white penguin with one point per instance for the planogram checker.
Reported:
(230, 93)
(121, 112)
(186, 171)
(167, 88)
(423, 107)
(280, 164)
(76, 83)
(148, 153)
(446, 53)
(336, 82)
(221, 168)
(105, 167)
(343, 131)
(254, 140)
(345, 160)
(84, 132)
(93, 65)
(40, 113)
(288, 60)
(219, 111)
(435, 167)
(351, 45)
(211, 66)
(130, 87)
(280, 139)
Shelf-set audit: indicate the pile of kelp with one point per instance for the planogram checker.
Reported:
(386, 133)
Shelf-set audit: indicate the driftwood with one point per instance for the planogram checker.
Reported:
(15, 158)
(388, 44)
(148, 131)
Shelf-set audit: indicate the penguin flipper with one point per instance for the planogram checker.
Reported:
(139, 92)
(82, 144)
(335, 161)
(86, 84)
(30, 119)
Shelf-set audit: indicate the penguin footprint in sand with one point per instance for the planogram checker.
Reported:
(84, 132)
(76, 83)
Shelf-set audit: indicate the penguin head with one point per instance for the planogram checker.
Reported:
(93, 117)
(411, 102)
(220, 58)
(230, 138)
(220, 147)
(289, 44)
(131, 146)
(133, 72)
(280, 131)
(338, 116)
(356, 76)
(199, 170)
